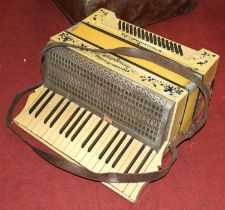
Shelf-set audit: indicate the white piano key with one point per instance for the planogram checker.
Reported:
(75, 146)
(31, 124)
(101, 162)
(151, 165)
(62, 141)
(132, 186)
(121, 167)
(92, 157)
(33, 98)
(99, 148)
(40, 119)
(84, 150)
(46, 126)
(68, 139)
(108, 167)
(52, 133)
(134, 163)
(58, 137)
(24, 118)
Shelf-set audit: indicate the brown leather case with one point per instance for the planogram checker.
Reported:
(142, 12)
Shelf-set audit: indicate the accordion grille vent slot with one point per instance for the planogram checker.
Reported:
(150, 37)
(131, 105)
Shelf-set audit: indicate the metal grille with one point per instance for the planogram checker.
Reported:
(131, 105)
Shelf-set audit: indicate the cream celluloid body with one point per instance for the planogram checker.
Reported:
(147, 104)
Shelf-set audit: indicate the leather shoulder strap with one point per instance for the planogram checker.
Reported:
(118, 177)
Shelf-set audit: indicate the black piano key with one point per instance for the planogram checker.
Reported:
(139, 32)
(122, 152)
(44, 105)
(154, 39)
(53, 110)
(150, 37)
(143, 161)
(123, 26)
(81, 126)
(147, 36)
(135, 31)
(131, 29)
(115, 148)
(108, 145)
(127, 27)
(143, 34)
(171, 46)
(69, 120)
(38, 101)
(180, 50)
(91, 133)
(159, 41)
(75, 123)
(119, 24)
(163, 43)
(176, 48)
(98, 137)
(59, 114)
(134, 159)
(167, 45)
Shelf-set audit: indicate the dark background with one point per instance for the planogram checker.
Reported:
(197, 180)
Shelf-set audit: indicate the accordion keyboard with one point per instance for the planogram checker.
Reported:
(84, 138)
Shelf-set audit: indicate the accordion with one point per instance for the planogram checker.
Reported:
(115, 98)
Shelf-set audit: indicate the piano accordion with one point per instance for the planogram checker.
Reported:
(111, 112)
